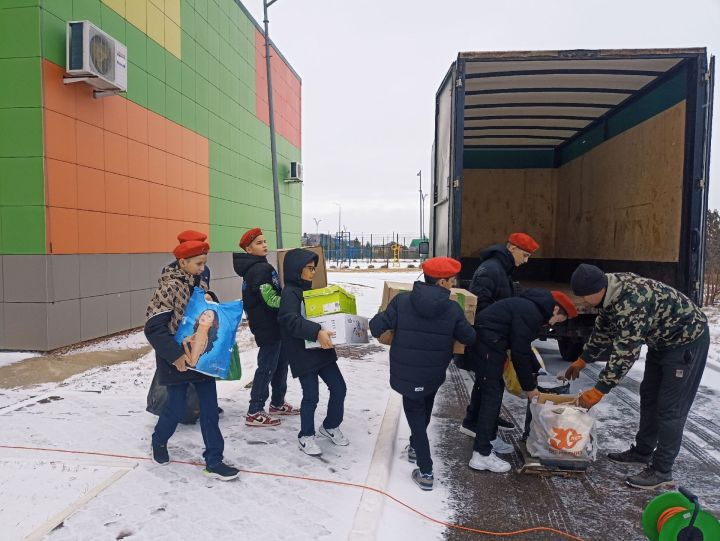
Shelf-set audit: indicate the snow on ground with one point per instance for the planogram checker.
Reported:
(11, 357)
(102, 411)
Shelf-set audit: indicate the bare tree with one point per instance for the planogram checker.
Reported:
(712, 258)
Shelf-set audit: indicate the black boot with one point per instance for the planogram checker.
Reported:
(649, 479)
(631, 456)
(160, 455)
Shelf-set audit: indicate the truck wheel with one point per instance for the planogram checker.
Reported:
(570, 349)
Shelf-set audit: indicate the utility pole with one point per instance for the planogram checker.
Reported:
(421, 206)
(317, 225)
(273, 149)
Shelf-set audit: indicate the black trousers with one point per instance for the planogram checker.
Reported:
(418, 412)
(490, 388)
(667, 391)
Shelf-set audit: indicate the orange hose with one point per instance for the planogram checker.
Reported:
(667, 515)
(327, 481)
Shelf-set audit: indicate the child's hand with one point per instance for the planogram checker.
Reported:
(181, 363)
(325, 339)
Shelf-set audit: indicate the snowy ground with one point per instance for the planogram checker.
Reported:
(118, 497)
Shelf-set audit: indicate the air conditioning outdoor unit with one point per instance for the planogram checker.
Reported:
(296, 172)
(96, 58)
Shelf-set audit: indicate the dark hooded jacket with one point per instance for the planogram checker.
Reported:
(426, 323)
(256, 271)
(295, 329)
(513, 324)
(492, 280)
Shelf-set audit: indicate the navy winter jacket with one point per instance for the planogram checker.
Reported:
(256, 271)
(294, 327)
(513, 324)
(426, 323)
(492, 280)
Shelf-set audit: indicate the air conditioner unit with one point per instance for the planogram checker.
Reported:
(96, 58)
(296, 172)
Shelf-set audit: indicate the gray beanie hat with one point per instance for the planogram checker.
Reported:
(588, 280)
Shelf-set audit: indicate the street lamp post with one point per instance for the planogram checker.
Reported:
(337, 247)
(422, 236)
(273, 149)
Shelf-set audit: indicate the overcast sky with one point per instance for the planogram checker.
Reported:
(370, 70)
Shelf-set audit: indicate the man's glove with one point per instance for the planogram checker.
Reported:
(573, 371)
(589, 398)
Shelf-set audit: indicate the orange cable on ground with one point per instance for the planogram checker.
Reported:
(318, 480)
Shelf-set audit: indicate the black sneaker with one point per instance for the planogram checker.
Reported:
(160, 455)
(423, 480)
(504, 424)
(631, 456)
(650, 479)
(222, 471)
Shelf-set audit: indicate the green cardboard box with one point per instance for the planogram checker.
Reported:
(329, 300)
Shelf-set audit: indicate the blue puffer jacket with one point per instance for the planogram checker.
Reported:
(492, 280)
(426, 323)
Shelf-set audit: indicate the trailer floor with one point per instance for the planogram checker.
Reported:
(596, 506)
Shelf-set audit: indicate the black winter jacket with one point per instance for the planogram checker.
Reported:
(256, 271)
(426, 323)
(295, 329)
(492, 280)
(513, 324)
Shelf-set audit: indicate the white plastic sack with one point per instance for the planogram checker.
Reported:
(561, 430)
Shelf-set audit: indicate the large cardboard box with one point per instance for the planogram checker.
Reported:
(320, 279)
(466, 300)
(349, 329)
(329, 300)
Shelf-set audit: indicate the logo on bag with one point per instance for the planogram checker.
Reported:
(565, 438)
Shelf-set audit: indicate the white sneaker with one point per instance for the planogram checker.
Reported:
(467, 431)
(335, 435)
(502, 447)
(491, 463)
(309, 446)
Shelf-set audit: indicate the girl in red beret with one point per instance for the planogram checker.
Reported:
(163, 316)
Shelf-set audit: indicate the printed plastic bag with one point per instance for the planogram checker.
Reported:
(561, 429)
(207, 333)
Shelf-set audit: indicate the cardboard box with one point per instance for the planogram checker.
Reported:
(329, 300)
(320, 279)
(349, 329)
(466, 300)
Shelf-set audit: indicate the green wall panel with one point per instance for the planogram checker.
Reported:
(19, 32)
(21, 182)
(23, 229)
(25, 89)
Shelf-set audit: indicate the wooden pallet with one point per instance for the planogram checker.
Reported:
(563, 467)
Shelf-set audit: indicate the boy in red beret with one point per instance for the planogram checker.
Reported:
(509, 324)
(426, 323)
(163, 316)
(261, 298)
(492, 282)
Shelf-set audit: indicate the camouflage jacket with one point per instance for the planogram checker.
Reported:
(639, 311)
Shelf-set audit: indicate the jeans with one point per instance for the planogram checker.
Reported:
(271, 370)
(418, 412)
(309, 382)
(209, 419)
(667, 391)
(490, 386)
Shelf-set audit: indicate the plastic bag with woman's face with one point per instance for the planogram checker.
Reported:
(207, 334)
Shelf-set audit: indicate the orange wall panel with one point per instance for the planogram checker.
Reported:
(119, 178)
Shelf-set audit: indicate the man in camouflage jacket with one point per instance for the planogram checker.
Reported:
(634, 311)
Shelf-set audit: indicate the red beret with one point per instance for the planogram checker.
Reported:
(191, 235)
(441, 267)
(524, 242)
(191, 248)
(565, 302)
(250, 236)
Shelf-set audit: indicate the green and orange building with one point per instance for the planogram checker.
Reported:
(94, 191)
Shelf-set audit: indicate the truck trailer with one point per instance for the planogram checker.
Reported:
(601, 155)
